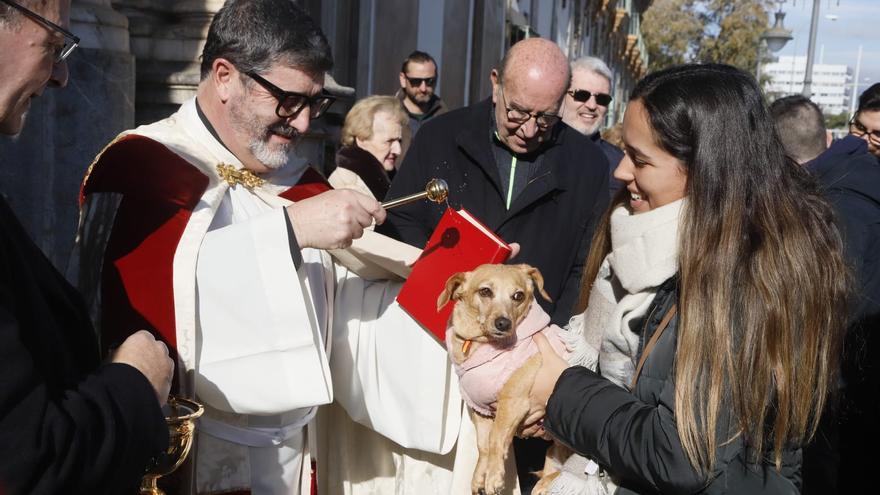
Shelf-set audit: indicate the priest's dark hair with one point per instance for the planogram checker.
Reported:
(255, 34)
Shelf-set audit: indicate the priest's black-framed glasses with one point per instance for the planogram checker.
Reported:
(291, 103)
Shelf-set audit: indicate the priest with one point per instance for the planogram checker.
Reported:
(208, 229)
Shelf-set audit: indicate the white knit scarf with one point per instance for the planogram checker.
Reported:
(644, 254)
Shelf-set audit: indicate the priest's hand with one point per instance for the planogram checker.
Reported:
(332, 219)
(149, 356)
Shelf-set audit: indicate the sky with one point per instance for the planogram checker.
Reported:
(857, 23)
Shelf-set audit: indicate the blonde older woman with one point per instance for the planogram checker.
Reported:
(371, 139)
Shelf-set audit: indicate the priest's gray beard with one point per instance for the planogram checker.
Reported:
(273, 156)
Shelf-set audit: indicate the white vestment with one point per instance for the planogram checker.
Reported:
(258, 340)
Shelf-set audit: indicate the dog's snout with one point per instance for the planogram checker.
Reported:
(502, 323)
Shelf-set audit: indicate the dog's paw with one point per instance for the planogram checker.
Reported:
(478, 481)
(495, 481)
(542, 487)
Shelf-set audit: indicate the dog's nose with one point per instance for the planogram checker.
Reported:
(502, 324)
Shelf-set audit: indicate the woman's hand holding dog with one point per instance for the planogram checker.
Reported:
(551, 367)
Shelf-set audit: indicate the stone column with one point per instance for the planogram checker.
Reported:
(167, 38)
(67, 127)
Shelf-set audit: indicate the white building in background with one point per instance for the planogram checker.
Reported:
(832, 83)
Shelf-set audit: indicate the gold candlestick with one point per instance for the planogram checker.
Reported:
(181, 421)
(437, 190)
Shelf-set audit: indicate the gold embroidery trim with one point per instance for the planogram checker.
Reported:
(234, 176)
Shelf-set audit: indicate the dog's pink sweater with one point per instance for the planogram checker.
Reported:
(490, 365)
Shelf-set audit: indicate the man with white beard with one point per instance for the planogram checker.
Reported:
(209, 230)
(586, 105)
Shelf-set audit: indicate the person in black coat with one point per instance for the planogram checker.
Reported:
(511, 163)
(734, 358)
(68, 423)
(850, 178)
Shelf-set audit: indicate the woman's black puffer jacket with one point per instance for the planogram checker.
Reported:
(633, 434)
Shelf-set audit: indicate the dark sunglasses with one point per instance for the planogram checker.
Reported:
(70, 40)
(417, 81)
(291, 103)
(582, 96)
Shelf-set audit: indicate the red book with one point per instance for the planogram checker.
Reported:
(460, 243)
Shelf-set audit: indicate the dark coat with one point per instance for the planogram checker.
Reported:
(68, 424)
(850, 179)
(367, 167)
(553, 218)
(633, 434)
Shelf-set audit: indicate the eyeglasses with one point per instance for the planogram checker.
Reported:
(417, 81)
(583, 96)
(70, 40)
(858, 129)
(291, 103)
(542, 120)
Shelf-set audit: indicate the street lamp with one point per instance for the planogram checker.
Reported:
(776, 37)
(811, 47)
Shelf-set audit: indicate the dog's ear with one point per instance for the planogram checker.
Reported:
(451, 291)
(537, 279)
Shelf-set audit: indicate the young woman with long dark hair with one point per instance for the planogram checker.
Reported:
(715, 296)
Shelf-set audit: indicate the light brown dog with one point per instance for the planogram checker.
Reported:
(491, 302)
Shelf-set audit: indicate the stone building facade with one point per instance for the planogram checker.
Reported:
(139, 60)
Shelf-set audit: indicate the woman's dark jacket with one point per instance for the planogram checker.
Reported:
(633, 434)
(367, 167)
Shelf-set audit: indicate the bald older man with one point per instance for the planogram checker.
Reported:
(511, 162)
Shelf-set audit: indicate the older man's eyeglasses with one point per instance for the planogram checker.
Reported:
(291, 103)
(70, 40)
(543, 120)
(583, 96)
(858, 129)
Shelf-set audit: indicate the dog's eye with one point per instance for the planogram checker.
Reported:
(518, 296)
(485, 292)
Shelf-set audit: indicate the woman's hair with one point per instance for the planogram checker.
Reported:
(763, 284)
(870, 99)
(359, 121)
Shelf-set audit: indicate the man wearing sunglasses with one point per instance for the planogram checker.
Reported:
(586, 106)
(70, 421)
(210, 229)
(418, 80)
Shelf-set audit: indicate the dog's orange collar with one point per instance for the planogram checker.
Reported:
(465, 346)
